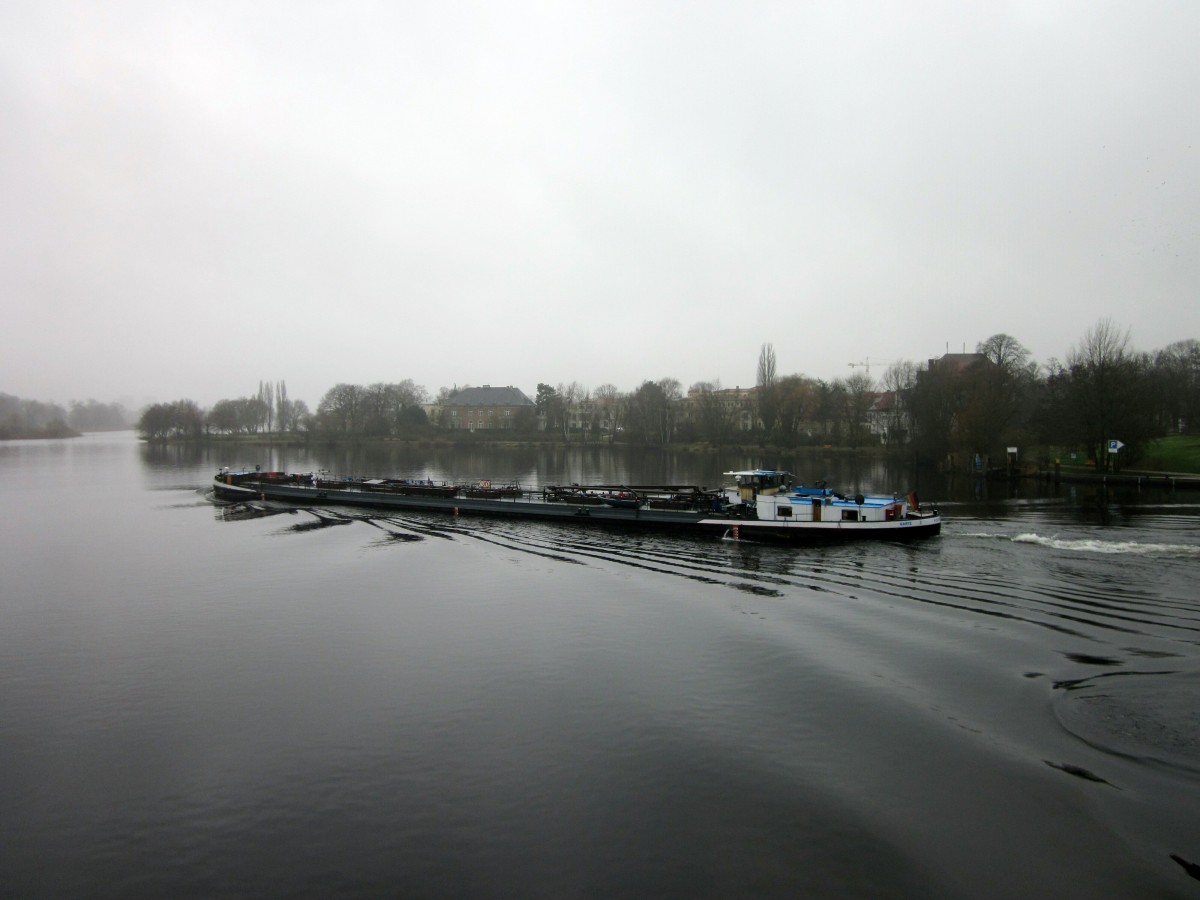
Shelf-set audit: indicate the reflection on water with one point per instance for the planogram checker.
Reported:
(203, 699)
(534, 466)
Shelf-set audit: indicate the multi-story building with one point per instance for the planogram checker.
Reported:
(484, 408)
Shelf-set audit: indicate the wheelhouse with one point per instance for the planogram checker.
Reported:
(744, 487)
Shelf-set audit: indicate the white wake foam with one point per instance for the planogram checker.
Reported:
(1094, 545)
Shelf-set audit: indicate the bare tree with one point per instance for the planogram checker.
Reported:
(1103, 347)
(1107, 390)
(997, 395)
(714, 419)
(180, 419)
(796, 399)
(1177, 368)
(568, 397)
(652, 410)
(611, 407)
(899, 381)
(282, 408)
(266, 400)
(342, 408)
(1005, 352)
(672, 392)
(299, 418)
(765, 381)
(859, 396)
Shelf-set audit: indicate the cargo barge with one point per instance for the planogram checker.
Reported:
(757, 504)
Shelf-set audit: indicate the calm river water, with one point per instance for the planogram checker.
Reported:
(203, 700)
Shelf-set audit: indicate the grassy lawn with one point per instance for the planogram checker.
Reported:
(1174, 453)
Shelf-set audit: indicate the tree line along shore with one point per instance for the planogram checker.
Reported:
(1105, 408)
(22, 419)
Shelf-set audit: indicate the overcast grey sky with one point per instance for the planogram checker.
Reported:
(196, 196)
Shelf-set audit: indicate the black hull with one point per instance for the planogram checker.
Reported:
(680, 521)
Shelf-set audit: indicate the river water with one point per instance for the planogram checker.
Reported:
(202, 700)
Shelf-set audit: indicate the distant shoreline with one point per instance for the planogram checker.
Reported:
(42, 434)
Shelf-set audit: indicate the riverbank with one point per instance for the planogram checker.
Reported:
(1130, 478)
(1172, 462)
(54, 432)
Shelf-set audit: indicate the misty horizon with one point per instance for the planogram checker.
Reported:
(874, 369)
(201, 197)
